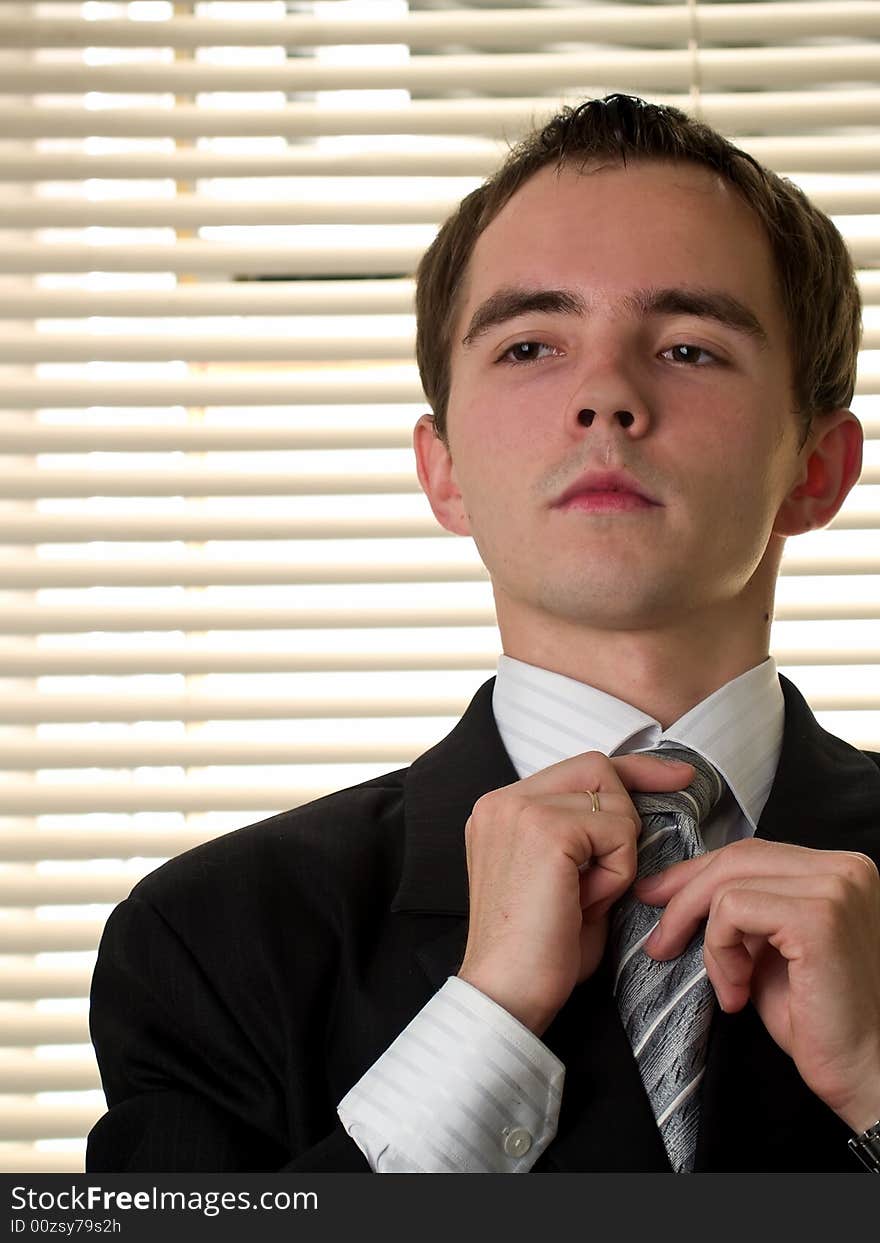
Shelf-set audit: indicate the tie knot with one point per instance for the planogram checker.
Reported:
(696, 800)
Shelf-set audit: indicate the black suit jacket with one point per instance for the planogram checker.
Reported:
(244, 987)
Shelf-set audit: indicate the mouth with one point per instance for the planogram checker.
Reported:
(614, 491)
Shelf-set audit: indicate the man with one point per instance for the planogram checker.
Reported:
(639, 348)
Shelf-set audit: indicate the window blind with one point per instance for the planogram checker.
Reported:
(223, 593)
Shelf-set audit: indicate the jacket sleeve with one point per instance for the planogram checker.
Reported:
(195, 1081)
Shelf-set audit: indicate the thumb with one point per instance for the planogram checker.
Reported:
(648, 773)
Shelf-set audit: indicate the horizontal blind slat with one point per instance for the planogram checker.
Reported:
(22, 347)
(21, 1026)
(30, 659)
(587, 70)
(30, 706)
(40, 573)
(25, 1073)
(29, 1159)
(27, 934)
(191, 211)
(27, 1119)
(34, 438)
(366, 297)
(191, 525)
(22, 886)
(499, 29)
(191, 752)
(32, 483)
(343, 386)
(32, 798)
(346, 257)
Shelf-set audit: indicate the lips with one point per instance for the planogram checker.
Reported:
(603, 483)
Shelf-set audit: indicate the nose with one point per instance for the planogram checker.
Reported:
(626, 418)
(610, 397)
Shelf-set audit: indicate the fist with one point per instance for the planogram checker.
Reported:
(544, 869)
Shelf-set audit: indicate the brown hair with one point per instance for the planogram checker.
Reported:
(817, 282)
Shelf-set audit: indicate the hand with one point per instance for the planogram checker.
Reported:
(544, 869)
(797, 932)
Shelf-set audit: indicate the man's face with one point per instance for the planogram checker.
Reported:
(662, 354)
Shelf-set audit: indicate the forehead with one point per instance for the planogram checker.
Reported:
(610, 229)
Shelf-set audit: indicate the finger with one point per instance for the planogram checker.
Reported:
(742, 918)
(608, 876)
(604, 849)
(594, 771)
(682, 918)
(580, 803)
(739, 861)
(730, 967)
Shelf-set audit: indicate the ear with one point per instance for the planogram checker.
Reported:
(830, 464)
(437, 476)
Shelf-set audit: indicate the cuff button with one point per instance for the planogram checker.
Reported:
(517, 1142)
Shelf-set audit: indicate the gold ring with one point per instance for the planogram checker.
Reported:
(594, 797)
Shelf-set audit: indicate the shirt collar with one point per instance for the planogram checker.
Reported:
(544, 717)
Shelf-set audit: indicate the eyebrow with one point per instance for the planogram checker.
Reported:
(510, 303)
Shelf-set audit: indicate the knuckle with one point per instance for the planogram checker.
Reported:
(839, 890)
(724, 900)
(717, 901)
(482, 805)
(861, 868)
(488, 805)
(743, 846)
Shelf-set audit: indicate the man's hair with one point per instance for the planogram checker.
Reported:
(814, 271)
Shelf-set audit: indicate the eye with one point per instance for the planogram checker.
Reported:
(526, 352)
(692, 355)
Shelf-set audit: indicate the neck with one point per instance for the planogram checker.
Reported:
(664, 672)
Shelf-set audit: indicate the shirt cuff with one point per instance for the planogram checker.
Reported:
(465, 1088)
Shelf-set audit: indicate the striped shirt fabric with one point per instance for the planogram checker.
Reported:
(466, 1088)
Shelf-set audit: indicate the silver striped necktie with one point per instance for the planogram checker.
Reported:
(666, 1007)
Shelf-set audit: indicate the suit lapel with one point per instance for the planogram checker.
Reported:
(826, 794)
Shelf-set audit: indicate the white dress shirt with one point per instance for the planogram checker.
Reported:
(465, 1087)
